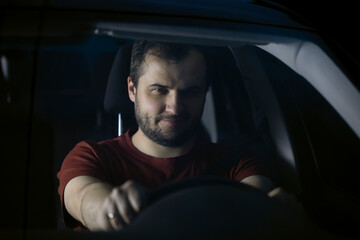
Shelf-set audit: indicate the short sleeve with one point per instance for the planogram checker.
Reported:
(82, 160)
(249, 165)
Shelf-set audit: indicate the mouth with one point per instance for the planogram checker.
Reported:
(173, 121)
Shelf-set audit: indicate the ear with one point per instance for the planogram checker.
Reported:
(131, 89)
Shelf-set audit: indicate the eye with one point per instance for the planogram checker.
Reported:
(159, 91)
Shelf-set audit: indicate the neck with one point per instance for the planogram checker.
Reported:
(151, 148)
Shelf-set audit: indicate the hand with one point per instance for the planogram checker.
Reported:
(288, 205)
(294, 221)
(121, 206)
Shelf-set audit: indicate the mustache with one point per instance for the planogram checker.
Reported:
(172, 117)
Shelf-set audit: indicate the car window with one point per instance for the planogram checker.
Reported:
(54, 78)
(17, 63)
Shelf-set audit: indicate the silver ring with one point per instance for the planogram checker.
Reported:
(111, 215)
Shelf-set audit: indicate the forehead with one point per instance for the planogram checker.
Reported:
(189, 71)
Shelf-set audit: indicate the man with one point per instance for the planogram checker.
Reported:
(103, 186)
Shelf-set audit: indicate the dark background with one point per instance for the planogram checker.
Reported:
(338, 20)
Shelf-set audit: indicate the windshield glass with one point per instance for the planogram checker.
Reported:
(299, 116)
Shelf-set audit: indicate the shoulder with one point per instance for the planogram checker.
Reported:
(249, 164)
(89, 158)
(97, 149)
(102, 152)
(88, 153)
(235, 161)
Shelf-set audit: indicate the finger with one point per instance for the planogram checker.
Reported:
(287, 203)
(282, 196)
(123, 205)
(103, 222)
(137, 196)
(102, 217)
(113, 216)
(275, 192)
(116, 221)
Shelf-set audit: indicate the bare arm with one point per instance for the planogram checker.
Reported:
(260, 182)
(289, 209)
(99, 206)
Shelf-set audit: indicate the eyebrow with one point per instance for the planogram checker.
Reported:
(157, 85)
(164, 86)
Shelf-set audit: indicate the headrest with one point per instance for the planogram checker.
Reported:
(116, 94)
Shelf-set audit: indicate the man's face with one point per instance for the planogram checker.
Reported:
(169, 98)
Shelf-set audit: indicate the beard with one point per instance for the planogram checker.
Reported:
(170, 136)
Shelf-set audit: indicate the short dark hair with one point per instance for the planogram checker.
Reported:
(170, 52)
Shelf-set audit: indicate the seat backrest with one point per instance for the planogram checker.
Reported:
(116, 100)
(116, 95)
(260, 70)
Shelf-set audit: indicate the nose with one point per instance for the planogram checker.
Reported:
(174, 104)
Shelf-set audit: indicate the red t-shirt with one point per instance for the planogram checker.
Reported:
(117, 160)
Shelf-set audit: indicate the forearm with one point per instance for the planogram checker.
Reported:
(260, 182)
(92, 199)
(82, 197)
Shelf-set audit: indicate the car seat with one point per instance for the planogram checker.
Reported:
(262, 74)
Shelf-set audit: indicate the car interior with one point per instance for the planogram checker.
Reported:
(256, 99)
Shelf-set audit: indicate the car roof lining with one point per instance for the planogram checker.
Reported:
(214, 36)
(240, 10)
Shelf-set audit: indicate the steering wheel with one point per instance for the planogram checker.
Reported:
(206, 208)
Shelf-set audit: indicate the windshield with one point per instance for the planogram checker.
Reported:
(301, 116)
